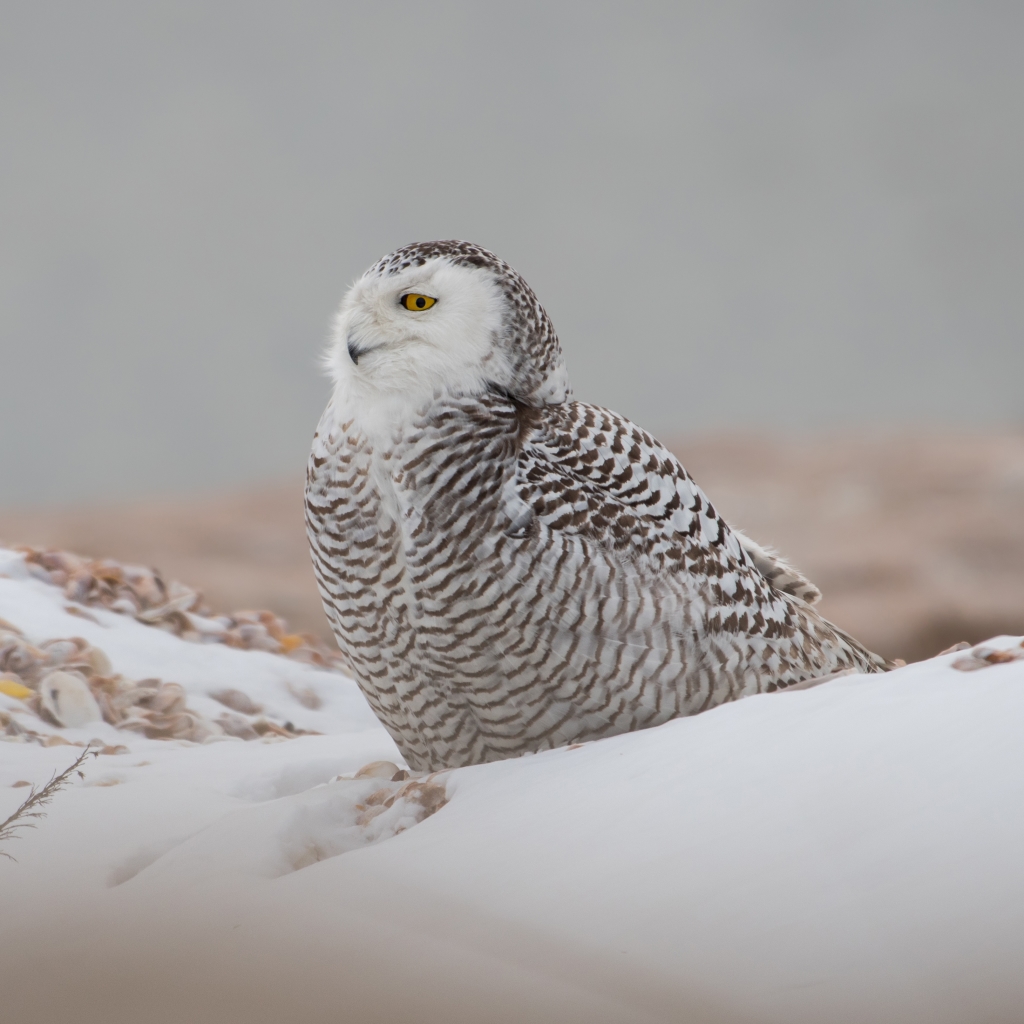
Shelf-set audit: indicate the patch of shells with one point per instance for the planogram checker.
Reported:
(422, 796)
(143, 594)
(985, 656)
(68, 683)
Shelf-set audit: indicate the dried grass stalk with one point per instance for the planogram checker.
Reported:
(36, 799)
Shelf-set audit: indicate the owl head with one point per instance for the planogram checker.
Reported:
(437, 319)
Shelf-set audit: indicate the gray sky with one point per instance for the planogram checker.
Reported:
(789, 215)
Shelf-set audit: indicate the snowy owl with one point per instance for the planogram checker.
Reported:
(510, 570)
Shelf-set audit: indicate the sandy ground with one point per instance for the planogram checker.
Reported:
(916, 541)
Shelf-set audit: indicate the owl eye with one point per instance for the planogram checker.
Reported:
(416, 302)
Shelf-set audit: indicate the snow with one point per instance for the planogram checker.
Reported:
(847, 853)
(138, 651)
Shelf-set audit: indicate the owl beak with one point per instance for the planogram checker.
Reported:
(355, 351)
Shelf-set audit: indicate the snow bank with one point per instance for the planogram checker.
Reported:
(847, 853)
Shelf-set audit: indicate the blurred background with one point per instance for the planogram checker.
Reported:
(788, 238)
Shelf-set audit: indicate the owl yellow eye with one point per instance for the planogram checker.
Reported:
(416, 302)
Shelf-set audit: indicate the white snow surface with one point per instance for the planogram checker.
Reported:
(849, 853)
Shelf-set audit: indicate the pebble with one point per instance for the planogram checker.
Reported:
(68, 699)
(381, 770)
(237, 701)
(16, 689)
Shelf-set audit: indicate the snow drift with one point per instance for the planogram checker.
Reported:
(846, 853)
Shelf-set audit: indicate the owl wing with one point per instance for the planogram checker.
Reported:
(583, 469)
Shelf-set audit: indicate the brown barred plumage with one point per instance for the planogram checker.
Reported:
(509, 570)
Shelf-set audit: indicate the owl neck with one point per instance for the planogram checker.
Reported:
(385, 418)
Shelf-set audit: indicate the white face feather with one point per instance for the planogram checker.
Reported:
(388, 361)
